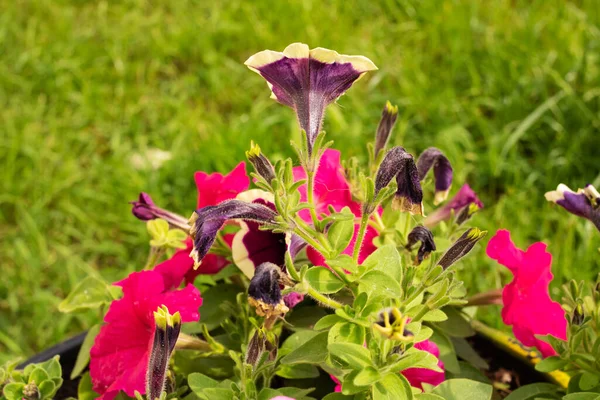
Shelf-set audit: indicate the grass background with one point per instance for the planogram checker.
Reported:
(508, 89)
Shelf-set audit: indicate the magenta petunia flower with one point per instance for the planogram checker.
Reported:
(119, 357)
(463, 198)
(527, 303)
(215, 188)
(308, 80)
(417, 376)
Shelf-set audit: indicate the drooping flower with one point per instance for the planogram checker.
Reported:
(384, 129)
(308, 80)
(463, 198)
(208, 220)
(442, 172)
(423, 235)
(417, 376)
(527, 303)
(399, 164)
(584, 203)
(215, 188)
(119, 357)
(264, 292)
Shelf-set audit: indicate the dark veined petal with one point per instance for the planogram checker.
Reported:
(207, 221)
(584, 203)
(400, 164)
(442, 171)
(308, 80)
(461, 247)
(423, 235)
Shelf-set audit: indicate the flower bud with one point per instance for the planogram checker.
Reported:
(423, 235)
(442, 172)
(461, 247)
(144, 209)
(166, 332)
(262, 165)
(264, 292)
(400, 164)
(386, 124)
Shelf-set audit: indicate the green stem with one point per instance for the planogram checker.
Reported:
(188, 342)
(323, 299)
(155, 254)
(360, 237)
(291, 268)
(310, 196)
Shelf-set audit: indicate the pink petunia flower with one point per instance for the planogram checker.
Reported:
(527, 303)
(463, 198)
(417, 376)
(332, 188)
(119, 357)
(215, 188)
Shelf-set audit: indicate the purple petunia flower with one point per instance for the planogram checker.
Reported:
(442, 172)
(584, 203)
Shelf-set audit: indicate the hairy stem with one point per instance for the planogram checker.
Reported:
(361, 235)
(323, 299)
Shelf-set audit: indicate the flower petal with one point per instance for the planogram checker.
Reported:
(215, 188)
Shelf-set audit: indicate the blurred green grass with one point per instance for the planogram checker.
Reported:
(508, 89)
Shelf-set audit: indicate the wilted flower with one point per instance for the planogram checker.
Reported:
(207, 221)
(119, 357)
(144, 209)
(308, 80)
(442, 172)
(423, 235)
(527, 303)
(461, 247)
(384, 129)
(264, 292)
(584, 203)
(463, 198)
(166, 332)
(401, 165)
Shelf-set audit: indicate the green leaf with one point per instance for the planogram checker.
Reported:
(582, 396)
(468, 371)
(38, 375)
(447, 352)
(52, 367)
(327, 322)
(428, 396)
(217, 297)
(588, 381)
(467, 353)
(343, 261)
(347, 332)
(456, 325)
(297, 371)
(340, 233)
(337, 396)
(175, 239)
(435, 316)
(366, 377)
(89, 293)
(530, 392)
(415, 358)
(392, 387)
(13, 391)
(463, 389)
(47, 389)
(158, 228)
(385, 259)
(296, 340)
(268, 394)
(323, 280)
(550, 364)
(84, 389)
(354, 355)
(305, 317)
(295, 393)
(348, 386)
(314, 351)
(83, 357)
(198, 382)
(219, 394)
(380, 284)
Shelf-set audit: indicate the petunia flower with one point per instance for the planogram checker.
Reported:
(423, 235)
(308, 80)
(144, 209)
(442, 172)
(584, 203)
(417, 376)
(527, 303)
(215, 188)
(463, 198)
(206, 222)
(119, 357)
(398, 163)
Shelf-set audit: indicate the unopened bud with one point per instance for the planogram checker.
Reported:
(386, 124)
(31, 391)
(262, 165)
(166, 332)
(461, 247)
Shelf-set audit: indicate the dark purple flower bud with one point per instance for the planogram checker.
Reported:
(144, 209)
(423, 235)
(207, 221)
(386, 124)
(442, 172)
(584, 203)
(264, 292)
(262, 165)
(461, 247)
(308, 80)
(166, 332)
(400, 164)
(463, 198)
